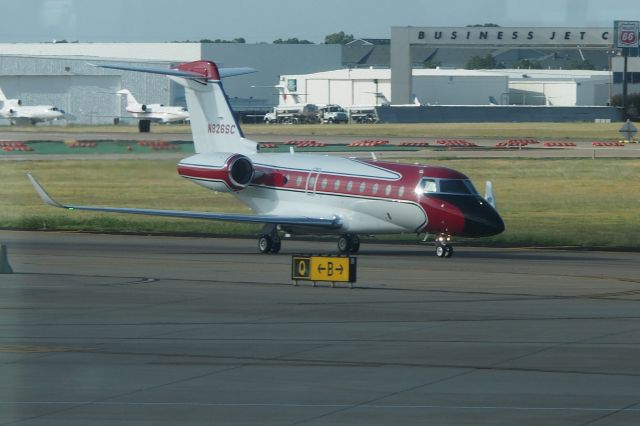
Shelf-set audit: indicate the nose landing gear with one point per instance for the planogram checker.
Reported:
(443, 248)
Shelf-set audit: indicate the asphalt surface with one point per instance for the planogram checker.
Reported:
(111, 329)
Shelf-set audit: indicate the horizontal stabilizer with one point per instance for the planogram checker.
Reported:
(223, 72)
(317, 222)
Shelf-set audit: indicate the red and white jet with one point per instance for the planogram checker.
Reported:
(313, 194)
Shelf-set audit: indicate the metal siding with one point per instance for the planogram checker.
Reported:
(271, 61)
(364, 93)
(340, 92)
(79, 88)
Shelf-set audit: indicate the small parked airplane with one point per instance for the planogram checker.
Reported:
(153, 112)
(313, 194)
(16, 113)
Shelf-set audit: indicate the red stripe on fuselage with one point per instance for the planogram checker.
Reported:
(203, 172)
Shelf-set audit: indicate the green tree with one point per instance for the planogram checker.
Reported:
(527, 64)
(338, 38)
(293, 40)
(633, 104)
(219, 40)
(483, 62)
(581, 65)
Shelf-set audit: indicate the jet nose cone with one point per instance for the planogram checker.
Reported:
(483, 221)
(484, 225)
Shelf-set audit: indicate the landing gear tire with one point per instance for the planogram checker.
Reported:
(265, 244)
(344, 244)
(355, 244)
(444, 250)
(348, 244)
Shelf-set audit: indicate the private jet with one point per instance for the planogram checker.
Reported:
(293, 193)
(19, 114)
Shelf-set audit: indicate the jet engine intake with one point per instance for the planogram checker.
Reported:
(241, 171)
(219, 171)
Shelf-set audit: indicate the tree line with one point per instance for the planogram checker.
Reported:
(333, 38)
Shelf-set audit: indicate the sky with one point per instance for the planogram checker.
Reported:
(267, 20)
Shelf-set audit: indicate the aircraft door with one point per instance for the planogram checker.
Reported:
(312, 181)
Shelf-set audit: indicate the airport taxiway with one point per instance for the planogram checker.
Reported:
(114, 329)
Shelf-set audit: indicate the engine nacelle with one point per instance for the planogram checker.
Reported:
(222, 172)
(143, 107)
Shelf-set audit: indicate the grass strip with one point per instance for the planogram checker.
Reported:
(544, 202)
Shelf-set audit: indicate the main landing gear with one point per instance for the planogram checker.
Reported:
(443, 248)
(349, 243)
(269, 240)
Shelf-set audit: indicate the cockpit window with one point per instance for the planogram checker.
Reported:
(429, 185)
(454, 186)
(447, 186)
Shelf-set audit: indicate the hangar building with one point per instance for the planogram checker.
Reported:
(349, 87)
(59, 74)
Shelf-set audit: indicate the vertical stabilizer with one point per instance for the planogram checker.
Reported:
(130, 99)
(213, 124)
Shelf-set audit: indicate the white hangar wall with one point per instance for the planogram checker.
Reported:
(348, 87)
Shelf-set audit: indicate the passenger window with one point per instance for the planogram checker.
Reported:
(387, 190)
(349, 186)
(299, 181)
(401, 191)
(363, 186)
(336, 185)
(324, 183)
(374, 189)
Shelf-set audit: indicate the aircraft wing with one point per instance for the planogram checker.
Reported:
(317, 222)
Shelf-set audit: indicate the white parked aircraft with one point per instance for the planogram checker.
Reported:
(299, 193)
(16, 113)
(154, 112)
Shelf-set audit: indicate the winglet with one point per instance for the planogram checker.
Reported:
(43, 194)
(489, 194)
